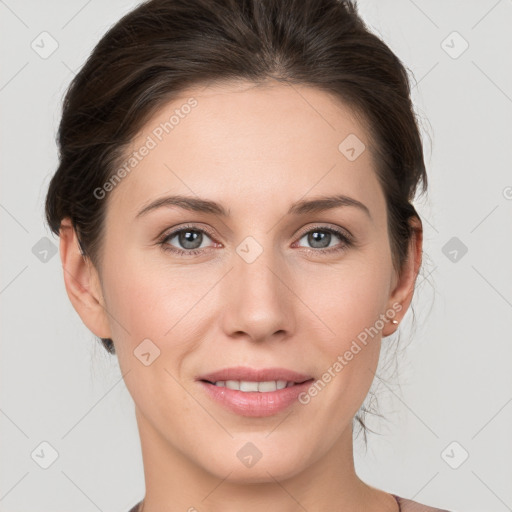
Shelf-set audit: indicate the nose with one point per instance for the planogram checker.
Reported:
(259, 300)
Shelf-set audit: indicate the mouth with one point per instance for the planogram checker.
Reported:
(247, 386)
(255, 392)
(247, 376)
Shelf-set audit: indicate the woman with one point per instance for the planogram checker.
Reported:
(234, 205)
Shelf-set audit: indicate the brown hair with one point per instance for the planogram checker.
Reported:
(164, 46)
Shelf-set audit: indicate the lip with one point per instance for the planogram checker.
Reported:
(254, 403)
(255, 375)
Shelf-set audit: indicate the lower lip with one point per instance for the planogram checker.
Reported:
(254, 403)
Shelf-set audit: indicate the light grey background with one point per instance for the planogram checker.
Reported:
(455, 380)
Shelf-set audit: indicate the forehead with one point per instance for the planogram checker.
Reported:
(240, 140)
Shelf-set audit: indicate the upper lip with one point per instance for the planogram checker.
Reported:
(255, 375)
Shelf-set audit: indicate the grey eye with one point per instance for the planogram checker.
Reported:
(188, 238)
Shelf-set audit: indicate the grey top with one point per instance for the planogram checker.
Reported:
(404, 505)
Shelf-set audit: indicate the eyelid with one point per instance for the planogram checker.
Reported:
(174, 231)
(326, 226)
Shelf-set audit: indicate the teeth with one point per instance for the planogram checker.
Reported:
(248, 386)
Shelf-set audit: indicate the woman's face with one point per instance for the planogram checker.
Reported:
(267, 285)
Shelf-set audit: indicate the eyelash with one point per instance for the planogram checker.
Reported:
(345, 238)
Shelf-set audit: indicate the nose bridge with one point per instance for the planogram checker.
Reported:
(258, 301)
(256, 266)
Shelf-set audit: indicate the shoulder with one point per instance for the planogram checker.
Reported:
(413, 506)
(135, 507)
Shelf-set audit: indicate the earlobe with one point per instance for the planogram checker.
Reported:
(82, 282)
(404, 288)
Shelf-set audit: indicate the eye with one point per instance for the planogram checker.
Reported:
(190, 241)
(320, 239)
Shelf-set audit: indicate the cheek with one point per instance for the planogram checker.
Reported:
(150, 302)
(349, 299)
(147, 299)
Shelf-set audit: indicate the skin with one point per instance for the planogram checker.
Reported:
(255, 150)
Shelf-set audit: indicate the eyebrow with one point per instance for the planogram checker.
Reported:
(301, 207)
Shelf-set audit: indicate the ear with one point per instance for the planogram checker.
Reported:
(403, 291)
(82, 282)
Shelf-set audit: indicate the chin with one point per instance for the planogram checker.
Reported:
(254, 462)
